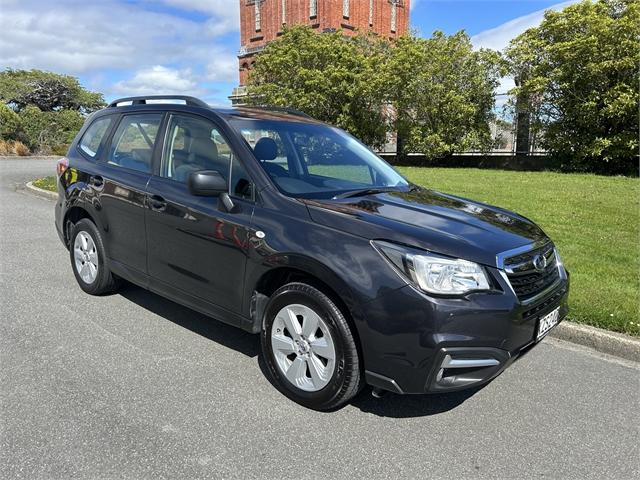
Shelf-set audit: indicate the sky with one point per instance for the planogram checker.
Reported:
(138, 47)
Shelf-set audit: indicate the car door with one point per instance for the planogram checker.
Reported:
(197, 246)
(121, 183)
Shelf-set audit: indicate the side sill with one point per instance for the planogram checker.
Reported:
(181, 297)
(198, 304)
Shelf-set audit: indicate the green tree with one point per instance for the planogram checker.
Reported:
(46, 90)
(443, 93)
(579, 71)
(331, 77)
(44, 110)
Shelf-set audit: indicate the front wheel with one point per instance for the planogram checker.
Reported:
(309, 349)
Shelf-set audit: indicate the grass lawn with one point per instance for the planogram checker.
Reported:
(593, 220)
(46, 183)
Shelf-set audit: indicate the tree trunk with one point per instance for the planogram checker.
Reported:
(400, 150)
(523, 121)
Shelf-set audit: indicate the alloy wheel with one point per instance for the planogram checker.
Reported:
(85, 256)
(303, 347)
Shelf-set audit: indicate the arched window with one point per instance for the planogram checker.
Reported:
(394, 14)
(258, 20)
(371, 13)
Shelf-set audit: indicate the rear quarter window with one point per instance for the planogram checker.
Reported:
(92, 139)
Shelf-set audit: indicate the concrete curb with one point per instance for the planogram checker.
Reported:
(603, 341)
(40, 192)
(611, 343)
(30, 157)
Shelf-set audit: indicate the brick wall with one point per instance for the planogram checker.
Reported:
(329, 15)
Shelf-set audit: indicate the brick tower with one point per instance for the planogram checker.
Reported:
(263, 20)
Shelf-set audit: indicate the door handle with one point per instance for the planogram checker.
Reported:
(96, 180)
(157, 203)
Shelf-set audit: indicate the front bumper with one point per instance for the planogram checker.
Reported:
(414, 343)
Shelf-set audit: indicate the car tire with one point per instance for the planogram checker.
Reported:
(89, 260)
(317, 365)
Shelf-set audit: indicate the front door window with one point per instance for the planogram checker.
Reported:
(194, 144)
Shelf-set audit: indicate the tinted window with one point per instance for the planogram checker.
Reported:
(254, 135)
(92, 138)
(316, 161)
(325, 157)
(194, 144)
(132, 145)
(241, 185)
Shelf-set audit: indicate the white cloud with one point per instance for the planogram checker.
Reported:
(147, 50)
(498, 38)
(71, 37)
(75, 37)
(158, 79)
(222, 68)
(225, 13)
(506, 84)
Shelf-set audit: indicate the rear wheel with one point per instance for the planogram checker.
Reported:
(309, 348)
(88, 259)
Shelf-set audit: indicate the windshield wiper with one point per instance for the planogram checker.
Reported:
(363, 191)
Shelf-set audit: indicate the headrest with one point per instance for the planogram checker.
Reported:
(203, 147)
(266, 149)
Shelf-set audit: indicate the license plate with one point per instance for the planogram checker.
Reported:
(547, 322)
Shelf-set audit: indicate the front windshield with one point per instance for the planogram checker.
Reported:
(316, 161)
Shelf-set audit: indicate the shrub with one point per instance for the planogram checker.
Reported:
(13, 147)
(61, 149)
(21, 149)
(10, 124)
(44, 131)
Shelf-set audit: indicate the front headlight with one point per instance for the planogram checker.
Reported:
(434, 273)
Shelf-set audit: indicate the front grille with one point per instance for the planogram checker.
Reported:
(525, 279)
(552, 299)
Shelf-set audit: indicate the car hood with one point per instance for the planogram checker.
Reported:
(431, 220)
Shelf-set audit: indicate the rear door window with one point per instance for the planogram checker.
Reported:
(92, 138)
(134, 140)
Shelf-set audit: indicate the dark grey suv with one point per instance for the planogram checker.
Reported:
(292, 229)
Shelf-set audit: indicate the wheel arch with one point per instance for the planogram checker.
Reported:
(73, 216)
(312, 272)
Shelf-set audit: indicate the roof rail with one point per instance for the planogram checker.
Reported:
(271, 108)
(191, 101)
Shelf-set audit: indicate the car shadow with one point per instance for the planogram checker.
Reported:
(410, 406)
(390, 405)
(208, 327)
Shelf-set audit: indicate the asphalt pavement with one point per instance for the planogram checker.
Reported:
(135, 386)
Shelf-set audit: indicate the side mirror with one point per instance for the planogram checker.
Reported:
(207, 183)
